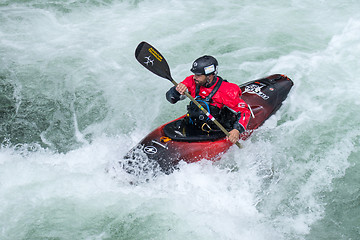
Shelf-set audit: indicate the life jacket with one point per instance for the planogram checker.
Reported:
(196, 115)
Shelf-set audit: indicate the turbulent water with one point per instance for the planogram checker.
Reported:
(73, 101)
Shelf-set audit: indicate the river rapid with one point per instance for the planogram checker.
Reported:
(74, 101)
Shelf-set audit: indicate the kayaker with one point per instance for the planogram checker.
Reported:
(221, 98)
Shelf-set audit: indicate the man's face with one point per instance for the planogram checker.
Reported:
(201, 79)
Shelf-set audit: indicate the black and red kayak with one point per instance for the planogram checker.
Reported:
(166, 145)
(174, 141)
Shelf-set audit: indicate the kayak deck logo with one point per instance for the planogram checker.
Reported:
(150, 150)
(256, 89)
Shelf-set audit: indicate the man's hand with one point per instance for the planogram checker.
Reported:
(234, 136)
(181, 88)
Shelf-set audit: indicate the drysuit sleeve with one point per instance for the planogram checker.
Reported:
(238, 106)
(173, 96)
(238, 123)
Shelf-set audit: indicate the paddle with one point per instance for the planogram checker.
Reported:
(152, 60)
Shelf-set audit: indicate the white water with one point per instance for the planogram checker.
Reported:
(81, 101)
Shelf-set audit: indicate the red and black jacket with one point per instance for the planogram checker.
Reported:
(227, 95)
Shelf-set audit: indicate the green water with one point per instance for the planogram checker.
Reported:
(73, 101)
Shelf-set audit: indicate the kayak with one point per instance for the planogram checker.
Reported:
(166, 146)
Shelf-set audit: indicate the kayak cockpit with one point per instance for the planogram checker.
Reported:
(179, 130)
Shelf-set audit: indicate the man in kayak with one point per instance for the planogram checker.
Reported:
(219, 97)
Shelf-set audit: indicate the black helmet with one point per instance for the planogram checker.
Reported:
(204, 65)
